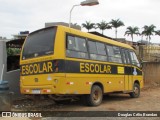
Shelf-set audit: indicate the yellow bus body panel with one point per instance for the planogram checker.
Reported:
(75, 83)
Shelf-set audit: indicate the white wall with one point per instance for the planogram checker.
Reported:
(13, 77)
(3, 56)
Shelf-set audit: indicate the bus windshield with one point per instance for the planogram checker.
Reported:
(39, 43)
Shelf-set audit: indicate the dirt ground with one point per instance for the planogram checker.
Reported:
(149, 100)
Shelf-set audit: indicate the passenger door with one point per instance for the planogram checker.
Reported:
(116, 80)
(136, 72)
(128, 70)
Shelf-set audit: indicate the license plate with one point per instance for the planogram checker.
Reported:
(36, 91)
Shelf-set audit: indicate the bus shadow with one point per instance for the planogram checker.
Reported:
(106, 99)
(49, 104)
(116, 97)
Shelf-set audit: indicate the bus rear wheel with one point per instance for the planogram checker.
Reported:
(95, 97)
(136, 91)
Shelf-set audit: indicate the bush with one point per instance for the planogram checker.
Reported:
(13, 51)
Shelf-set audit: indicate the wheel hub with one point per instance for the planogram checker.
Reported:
(136, 91)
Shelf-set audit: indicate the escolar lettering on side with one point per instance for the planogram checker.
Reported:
(94, 68)
(45, 67)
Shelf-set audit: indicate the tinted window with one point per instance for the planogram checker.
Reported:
(134, 59)
(76, 43)
(39, 43)
(97, 51)
(71, 45)
(110, 51)
(76, 54)
(114, 54)
(101, 48)
(124, 57)
(76, 47)
(92, 47)
(117, 54)
(81, 44)
(127, 56)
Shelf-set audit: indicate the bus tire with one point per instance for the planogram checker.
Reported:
(136, 91)
(95, 97)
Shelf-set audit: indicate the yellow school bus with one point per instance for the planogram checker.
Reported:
(61, 61)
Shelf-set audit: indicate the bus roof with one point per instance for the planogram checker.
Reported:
(94, 37)
(88, 35)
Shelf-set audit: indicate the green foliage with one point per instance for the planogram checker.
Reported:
(132, 31)
(13, 51)
(103, 26)
(88, 25)
(116, 24)
(157, 32)
(148, 31)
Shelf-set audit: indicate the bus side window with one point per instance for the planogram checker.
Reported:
(114, 54)
(76, 47)
(97, 51)
(128, 57)
(71, 45)
(110, 53)
(81, 44)
(92, 50)
(101, 48)
(117, 54)
(101, 51)
(134, 59)
(124, 56)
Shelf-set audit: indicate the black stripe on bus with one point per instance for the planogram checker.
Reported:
(69, 66)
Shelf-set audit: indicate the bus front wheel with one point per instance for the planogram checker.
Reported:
(95, 97)
(136, 91)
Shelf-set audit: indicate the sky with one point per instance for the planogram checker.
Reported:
(30, 15)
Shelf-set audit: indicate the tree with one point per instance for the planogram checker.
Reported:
(76, 26)
(13, 51)
(116, 24)
(88, 25)
(132, 31)
(148, 31)
(157, 32)
(103, 26)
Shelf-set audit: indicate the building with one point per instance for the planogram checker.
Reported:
(18, 40)
(3, 39)
(21, 35)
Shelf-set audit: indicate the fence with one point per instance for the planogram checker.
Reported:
(151, 72)
(149, 53)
